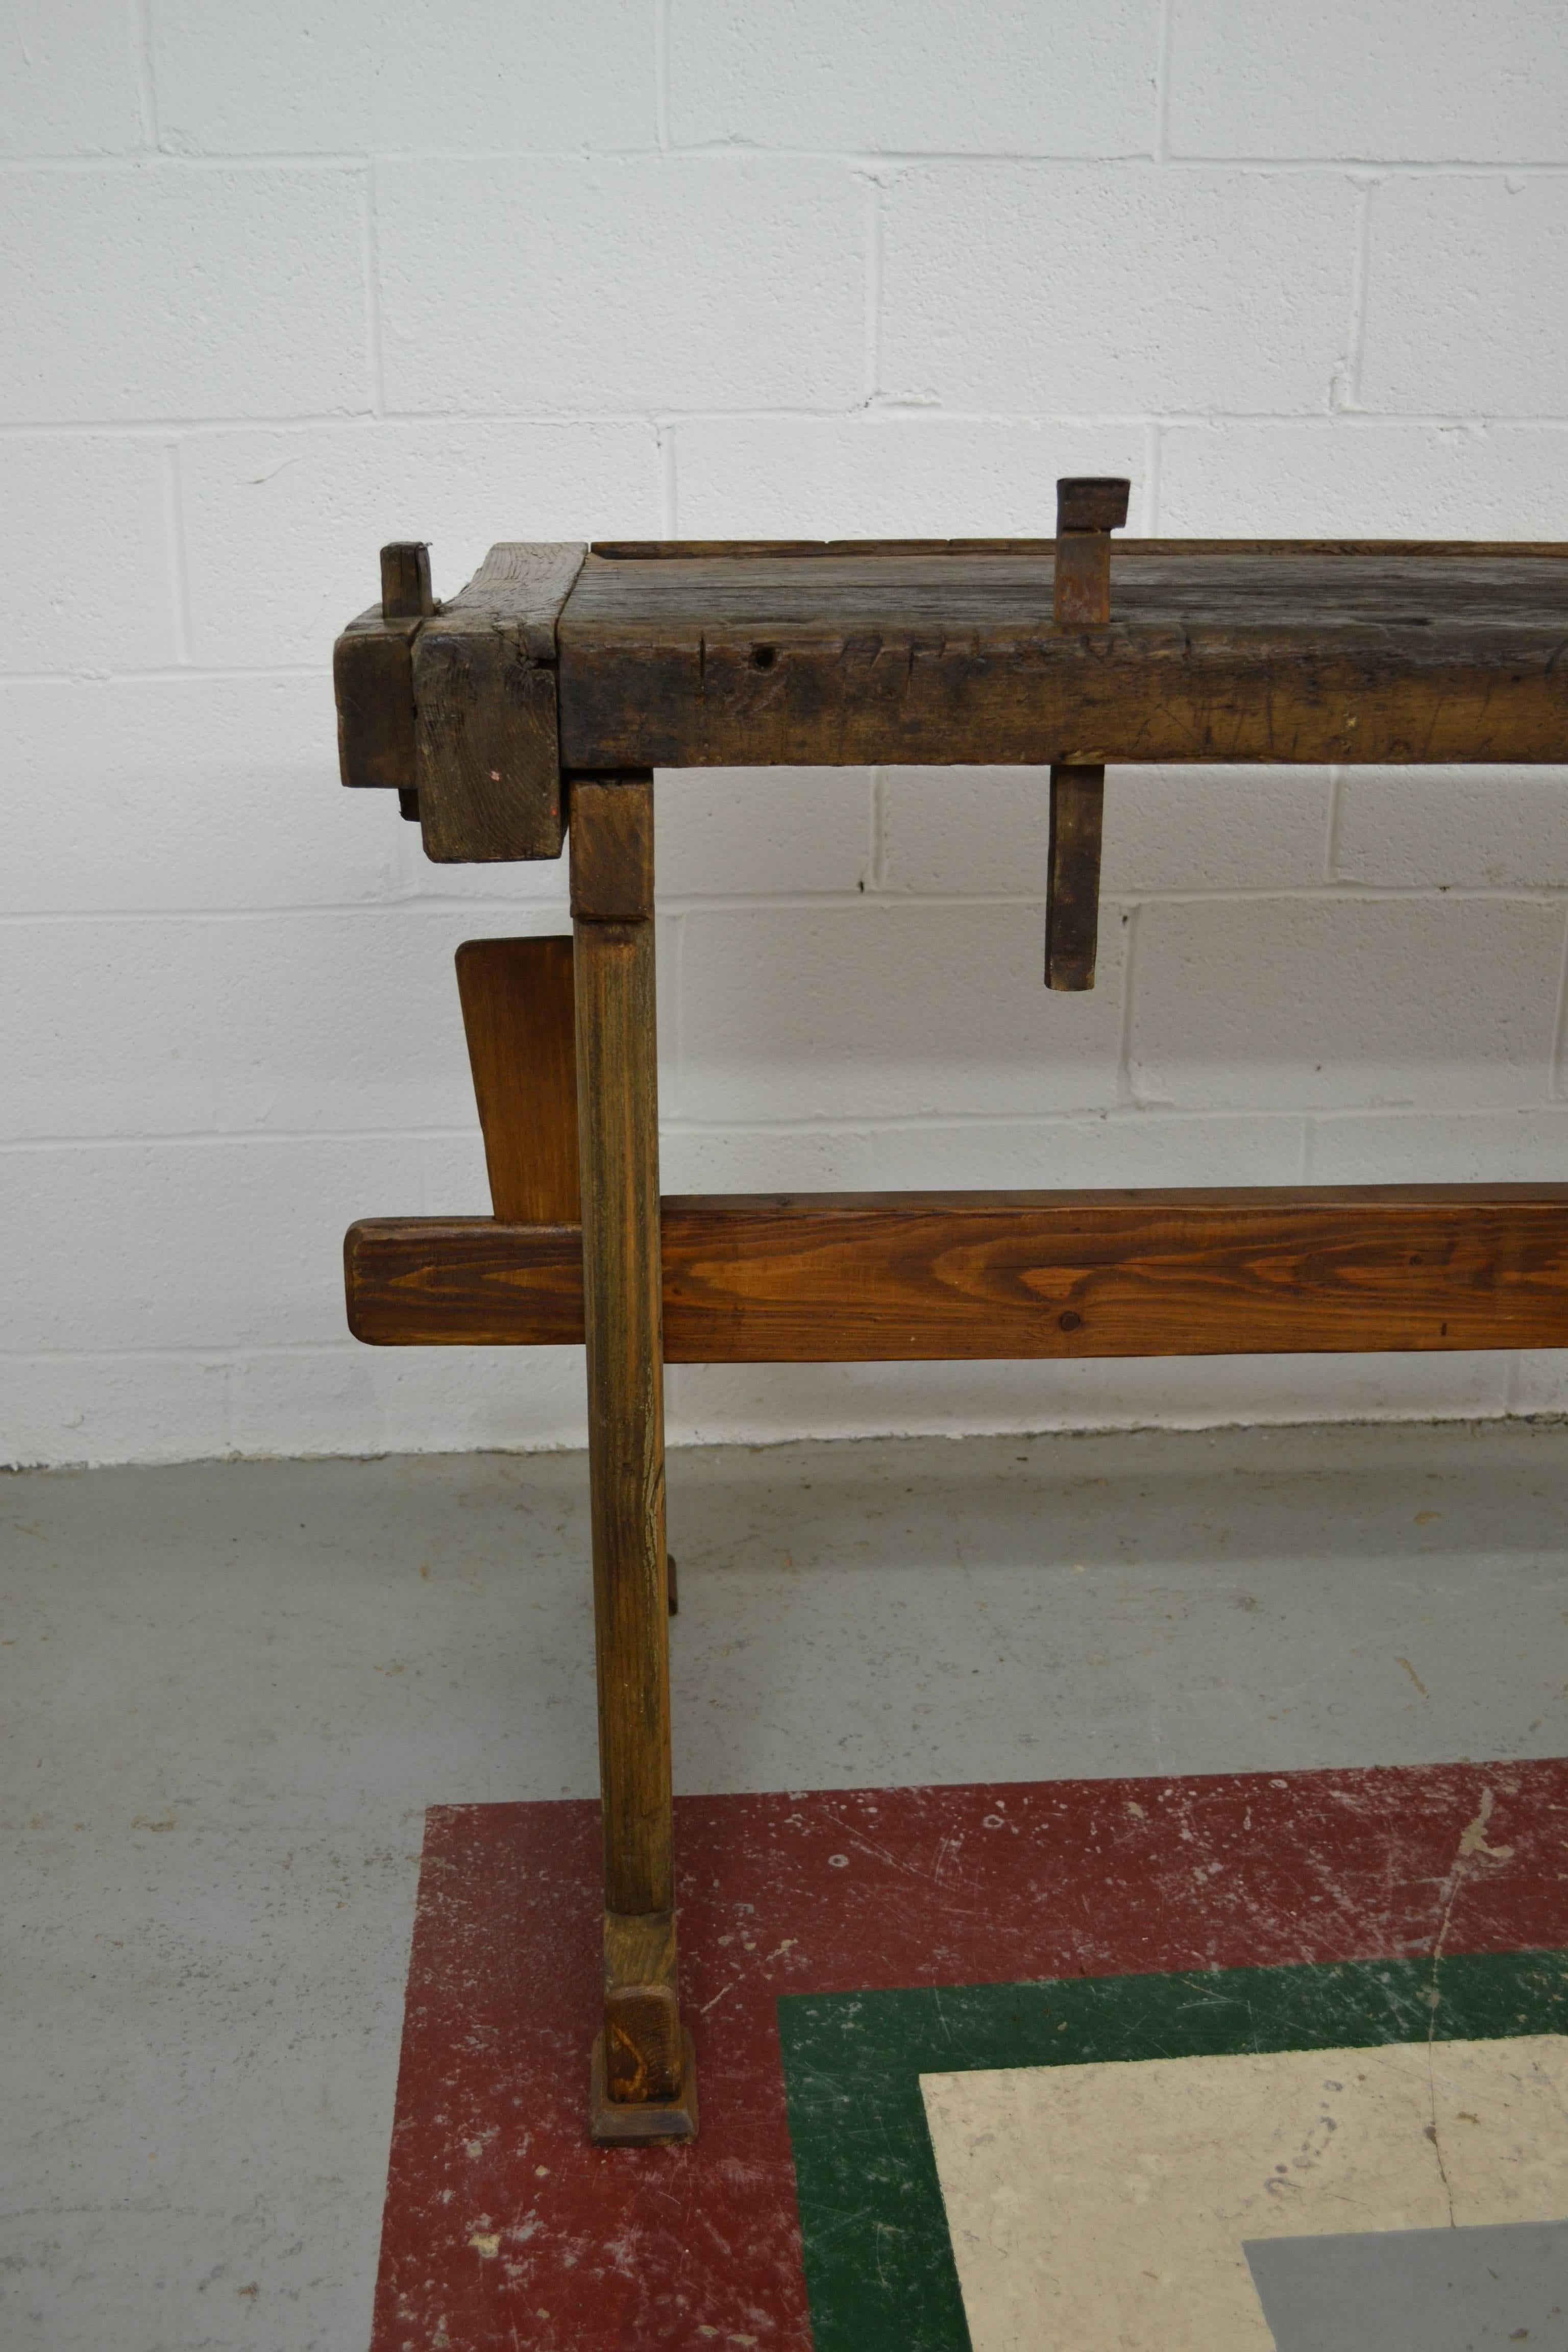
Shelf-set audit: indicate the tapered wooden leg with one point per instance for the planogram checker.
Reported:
(644, 2081)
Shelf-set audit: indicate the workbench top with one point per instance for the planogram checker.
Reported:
(946, 652)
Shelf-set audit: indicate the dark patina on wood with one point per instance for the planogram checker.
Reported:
(1087, 510)
(486, 754)
(1212, 653)
(455, 708)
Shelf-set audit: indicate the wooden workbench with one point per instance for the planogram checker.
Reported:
(541, 699)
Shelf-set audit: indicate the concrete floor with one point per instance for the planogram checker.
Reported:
(231, 1689)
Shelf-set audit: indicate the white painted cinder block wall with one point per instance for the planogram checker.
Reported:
(279, 283)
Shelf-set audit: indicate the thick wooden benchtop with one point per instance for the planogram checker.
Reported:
(700, 654)
(563, 659)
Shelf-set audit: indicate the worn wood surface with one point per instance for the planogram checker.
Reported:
(852, 1277)
(617, 2122)
(643, 2042)
(1089, 508)
(520, 1019)
(1088, 511)
(486, 758)
(1072, 893)
(618, 1146)
(612, 848)
(676, 551)
(1258, 655)
(406, 591)
(372, 686)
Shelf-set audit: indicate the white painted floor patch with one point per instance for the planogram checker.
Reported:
(1104, 2209)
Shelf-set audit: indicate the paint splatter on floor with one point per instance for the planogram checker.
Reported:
(504, 2229)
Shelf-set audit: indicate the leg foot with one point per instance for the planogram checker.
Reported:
(613, 2122)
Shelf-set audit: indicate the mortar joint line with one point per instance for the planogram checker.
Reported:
(1138, 159)
(1124, 1085)
(886, 406)
(1356, 340)
(1163, 84)
(1559, 1027)
(1153, 468)
(146, 73)
(179, 569)
(371, 261)
(661, 75)
(873, 339)
(670, 475)
(1331, 835)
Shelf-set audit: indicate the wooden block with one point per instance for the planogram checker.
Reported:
(1072, 891)
(487, 758)
(372, 685)
(612, 848)
(613, 2122)
(373, 675)
(435, 1282)
(519, 1014)
(642, 2045)
(1091, 502)
(863, 1278)
(406, 593)
(1089, 508)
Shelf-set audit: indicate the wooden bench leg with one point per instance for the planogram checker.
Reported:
(644, 2079)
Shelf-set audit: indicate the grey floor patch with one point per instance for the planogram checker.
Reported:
(1416, 2290)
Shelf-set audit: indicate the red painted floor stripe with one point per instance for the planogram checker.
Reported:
(504, 2229)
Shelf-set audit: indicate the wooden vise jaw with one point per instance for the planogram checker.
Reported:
(454, 707)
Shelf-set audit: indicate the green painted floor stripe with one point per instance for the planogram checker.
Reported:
(878, 2262)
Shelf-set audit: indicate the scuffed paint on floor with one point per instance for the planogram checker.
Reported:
(847, 1892)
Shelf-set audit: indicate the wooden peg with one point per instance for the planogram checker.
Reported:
(405, 581)
(1089, 508)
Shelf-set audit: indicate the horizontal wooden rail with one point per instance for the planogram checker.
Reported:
(857, 1278)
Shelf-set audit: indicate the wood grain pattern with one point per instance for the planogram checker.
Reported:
(406, 591)
(1088, 511)
(643, 2041)
(617, 1098)
(825, 1278)
(1072, 893)
(520, 1018)
(612, 848)
(372, 686)
(1089, 508)
(1091, 502)
(1255, 655)
(486, 757)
